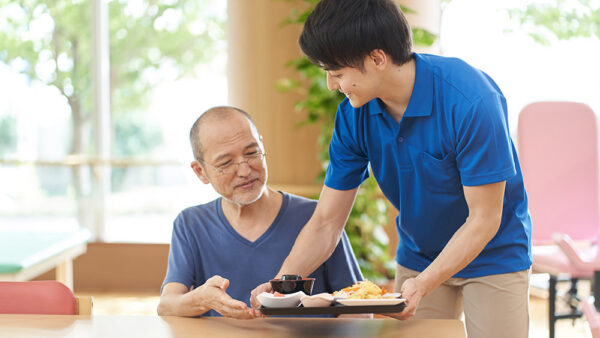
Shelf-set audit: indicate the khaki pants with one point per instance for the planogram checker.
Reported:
(494, 306)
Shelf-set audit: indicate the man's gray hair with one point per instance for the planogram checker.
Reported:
(217, 113)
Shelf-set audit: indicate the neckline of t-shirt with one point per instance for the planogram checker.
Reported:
(265, 234)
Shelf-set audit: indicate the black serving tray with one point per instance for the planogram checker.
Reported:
(334, 309)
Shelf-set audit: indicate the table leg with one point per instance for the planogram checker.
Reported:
(552, 304)
(596, 289)
(64, 273)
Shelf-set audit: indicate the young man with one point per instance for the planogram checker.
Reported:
(434, 132)
(223, 249)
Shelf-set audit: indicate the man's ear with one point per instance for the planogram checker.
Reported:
(200, 172)
(378, 57)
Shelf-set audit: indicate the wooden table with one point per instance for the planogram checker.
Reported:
(17, 326)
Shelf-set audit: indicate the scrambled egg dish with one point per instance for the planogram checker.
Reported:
(362, 290)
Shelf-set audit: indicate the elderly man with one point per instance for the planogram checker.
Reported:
(221, 250)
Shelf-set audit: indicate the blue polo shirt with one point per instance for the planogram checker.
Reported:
(454, 133)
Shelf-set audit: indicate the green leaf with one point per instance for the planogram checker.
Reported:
(422, 37)
(561, 19)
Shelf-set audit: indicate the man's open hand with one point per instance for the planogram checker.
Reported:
(213, 291)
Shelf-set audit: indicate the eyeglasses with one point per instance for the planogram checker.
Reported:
(251, 160)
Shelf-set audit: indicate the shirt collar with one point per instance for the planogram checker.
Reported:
(421, 99)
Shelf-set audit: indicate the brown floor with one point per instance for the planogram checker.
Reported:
(538, 313)
(111, 303)
(145, 304)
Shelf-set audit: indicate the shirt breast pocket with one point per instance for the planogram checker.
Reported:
(439, 175)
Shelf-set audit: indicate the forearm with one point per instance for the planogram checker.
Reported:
(182, 305)
(315, 243)
(464, 246)
(319, 237)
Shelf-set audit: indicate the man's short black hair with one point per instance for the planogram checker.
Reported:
(341, 33)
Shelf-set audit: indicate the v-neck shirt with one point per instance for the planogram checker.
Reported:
(243, 240)
(205, 244)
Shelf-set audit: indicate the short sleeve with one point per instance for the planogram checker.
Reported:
(348, 162)
(484, 149)
(181, 259)
(342, 269)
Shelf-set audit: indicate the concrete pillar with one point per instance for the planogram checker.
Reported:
(259, 48)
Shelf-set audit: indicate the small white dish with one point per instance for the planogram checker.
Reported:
(318, 300)
(369, 302)
(270, 300)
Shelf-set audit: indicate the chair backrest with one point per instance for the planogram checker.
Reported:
(558, 151)
(37, 297)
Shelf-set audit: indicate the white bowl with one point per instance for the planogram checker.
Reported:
(270, 300)
(318, 300)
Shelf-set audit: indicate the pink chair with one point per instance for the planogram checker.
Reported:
(41, 297)
(589, 311)
(585, 258)
(558, 150)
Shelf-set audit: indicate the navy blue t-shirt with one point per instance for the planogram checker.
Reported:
(204, 244)
(454, 133)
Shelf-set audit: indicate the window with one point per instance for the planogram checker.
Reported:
(485, 35)
(167, 65)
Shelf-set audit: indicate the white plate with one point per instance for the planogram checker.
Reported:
(290, 300)
(318, 300)
(368, 302)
